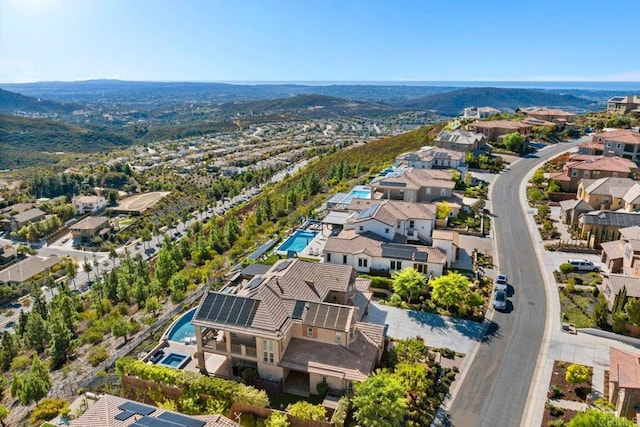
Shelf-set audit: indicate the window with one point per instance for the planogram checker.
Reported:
(362, 262)
(618, 145)
(350, 386)
(386, 231)
(396, 265)
(267, 351)
(344, 259)
(361, 228)
(427, 191)
(310, 331)
(398, 224)
(419, 268)
(328, 256)
(334, 295)
(352, 333)
(586, 174)
(338, 337)
(608, 143)
(443, 192)
(412, 224)
(574, 173)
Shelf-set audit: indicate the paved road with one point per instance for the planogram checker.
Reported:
(496, 385)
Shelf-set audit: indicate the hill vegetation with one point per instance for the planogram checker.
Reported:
(29, 141)
(12, 103)
(454, 103)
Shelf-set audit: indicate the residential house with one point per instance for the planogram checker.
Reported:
(116, 411)
(539, 123)
(89, 204)
(604, 226)
(433, 158)
(90, 227)
(392, 220)
(623, 255)
(460, 140)
(27, 269)
(297, 325)
(624, 382)
(615, 286)
(494, 129)
(415, 185)
(367, 252)
(558, 117)
(610, 193)
(621, 143)
(591, 148)
(449, 242)
(17, 208)
(581, 166)
(570, 210)
(16, 222)
(624, 105)
(7, 254)
(480, 112)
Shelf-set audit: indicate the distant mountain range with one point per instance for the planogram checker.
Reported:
(454, 103)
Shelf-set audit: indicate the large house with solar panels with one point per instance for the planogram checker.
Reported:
(299, 324)
(433, 158)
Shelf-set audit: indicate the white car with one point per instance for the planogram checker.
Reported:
(501, 282)
(500, 300)
(584, 265)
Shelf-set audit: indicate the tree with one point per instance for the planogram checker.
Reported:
(577, 374)
(443, 210)
(601, 312)
(72, 269)
(538, 177)
(4, 413)
(146, 236)
(152, 305)
(411, 350)
(86, 266)
(8, 350)
(307, 411)
(277, 419)
(454, 288)
(566, 268)
(595, 417)
(379, 401)
(121, 328)
(35, 332)
(38, 300)
(632, 308)
(554, 186)
(34, 385)
(61, 341)
(514, 142)
(408, 282)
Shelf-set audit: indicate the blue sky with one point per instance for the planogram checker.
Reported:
(322, 40)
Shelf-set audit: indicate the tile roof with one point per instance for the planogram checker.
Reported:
(29, 215)
(446, 235)
(26, 269)
(353, 363)
(88, 199)
(620, 135)
(624, 368)
(414, 178)
(500, 124)
(614, 249)
(609, 186)
(601, 163)
(90, 223)
(429, 154)
(575, 204)
(549, 112)
(102, 413)
(631, 233)
(619, 281)
(459, 136)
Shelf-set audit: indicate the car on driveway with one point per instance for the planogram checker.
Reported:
(501, 282)
(500, 300)
(584, 265)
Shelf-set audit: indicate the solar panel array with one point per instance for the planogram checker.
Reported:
(298, 310)
(137, 408)
(165, 419)
(368, 212)
(282, 266)
(227, 309)
(255, 282)
(327, 316)
(393, 184)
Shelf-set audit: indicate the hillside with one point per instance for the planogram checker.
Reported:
(454, 103)
(28, 141)
(12, 103)
(308, 105)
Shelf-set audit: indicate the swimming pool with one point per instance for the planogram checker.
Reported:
(361, 192)
(175, 360)
(299, 240)
(182, 330)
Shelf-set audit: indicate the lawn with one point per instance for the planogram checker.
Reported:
(577, 307)
(281, 400)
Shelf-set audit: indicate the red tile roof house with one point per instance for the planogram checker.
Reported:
(494, 129)
(297, 326)
(581, 166)
(415, 185)
(558, 117)
(624, 382)
(621, 143)
(615, 286)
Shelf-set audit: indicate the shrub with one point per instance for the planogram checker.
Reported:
(556, 391)
(577, 374)
(556, 412)
(307, 411)
(97, 355)
(566, 268)
(340, 415)
(571, 285)
(48, 408)
(322, 388)
(20, 362)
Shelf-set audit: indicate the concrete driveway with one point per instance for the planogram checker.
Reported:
(437, 331)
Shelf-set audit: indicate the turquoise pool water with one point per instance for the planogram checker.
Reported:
(298, 241)
(183, 331)
(175, 360)
(361, 192)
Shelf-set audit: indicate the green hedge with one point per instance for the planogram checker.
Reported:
(192, 382)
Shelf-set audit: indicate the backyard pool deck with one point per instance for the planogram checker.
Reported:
(314, 248)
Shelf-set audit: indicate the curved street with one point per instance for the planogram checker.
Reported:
(496, 385)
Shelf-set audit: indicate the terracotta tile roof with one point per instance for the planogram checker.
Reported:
(549, 112)
(592, 145)
(352, 363)
(609, 164)
(624, 368)
(614, 249)
(500, 124)
(102, 413)
(561, 176)
(631, 233)
(621, 135)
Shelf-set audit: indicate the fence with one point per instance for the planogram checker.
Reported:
(237, 409)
